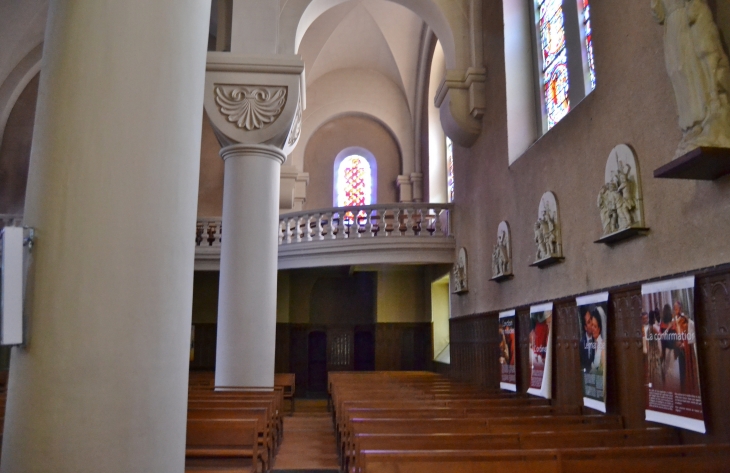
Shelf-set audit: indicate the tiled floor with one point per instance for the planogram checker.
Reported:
(309, 440)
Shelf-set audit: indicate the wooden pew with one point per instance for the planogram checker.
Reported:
(266, 449)
(287, 382)
(221, 442)
(654, 459)
(525, 440)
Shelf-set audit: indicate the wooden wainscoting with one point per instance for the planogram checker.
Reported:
(474, 352)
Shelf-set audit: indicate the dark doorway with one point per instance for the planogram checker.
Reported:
(317, 362)
(364, 351)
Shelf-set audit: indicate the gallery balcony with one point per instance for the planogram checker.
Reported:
(406, 233)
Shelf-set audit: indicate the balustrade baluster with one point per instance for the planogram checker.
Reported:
(198, 233)
(337, 226)
(211, 233)
(298, 229)
(309, 227)
(320, 228)
(369, 227)
(407, 226)
(281, 231)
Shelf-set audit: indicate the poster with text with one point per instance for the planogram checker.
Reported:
(593, 324)
(541, 341)
(670, 354)
(507, 350)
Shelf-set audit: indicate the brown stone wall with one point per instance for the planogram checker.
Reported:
(633, 104)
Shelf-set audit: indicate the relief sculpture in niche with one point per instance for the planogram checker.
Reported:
(699, 71)
(502, 254)
(620, 201)
(250, 107)
(547, 234)
(459, 273)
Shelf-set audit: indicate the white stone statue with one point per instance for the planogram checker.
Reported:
(459, 273)
(699, 70)
(547, 229)
(619, 200)
(502, 253)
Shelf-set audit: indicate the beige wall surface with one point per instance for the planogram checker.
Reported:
(400, 295)
(633, 104)
(210, 194)
(341, 133)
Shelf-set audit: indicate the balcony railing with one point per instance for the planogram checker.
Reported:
(368, 234)
(366, 221)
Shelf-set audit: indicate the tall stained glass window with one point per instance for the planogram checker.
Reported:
(449, 169)
(556, 87)
(354, 182)
(588, 33)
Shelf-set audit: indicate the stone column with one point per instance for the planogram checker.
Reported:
(112, 192)
(247, 297)
(254, 104)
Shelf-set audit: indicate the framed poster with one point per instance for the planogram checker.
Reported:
(593, 324)
(669, 339)
(541, 337)
(507, 350)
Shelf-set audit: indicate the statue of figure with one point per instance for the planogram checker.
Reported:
(603, 202)
(699, 70)
(495, 262)
(503, 255)
(542, 251)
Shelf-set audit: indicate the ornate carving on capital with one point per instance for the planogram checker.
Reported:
(250, 107)
(253, 99)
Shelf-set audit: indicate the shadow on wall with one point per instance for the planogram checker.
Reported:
(15, 150)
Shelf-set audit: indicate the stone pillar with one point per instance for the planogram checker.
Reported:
(254, 104)
(112, 192)
(247, 297)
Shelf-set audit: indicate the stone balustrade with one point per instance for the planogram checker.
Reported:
(404, 233)
(366, 221)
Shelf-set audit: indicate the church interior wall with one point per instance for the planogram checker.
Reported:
(341, 133)
(633, 103)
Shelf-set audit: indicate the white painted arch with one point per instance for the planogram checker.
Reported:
(447, 18)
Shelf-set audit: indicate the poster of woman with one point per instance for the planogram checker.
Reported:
(541, 335)
(507, 350)
(593, 324)
(669, 343)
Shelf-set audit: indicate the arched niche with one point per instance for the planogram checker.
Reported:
(337, 139)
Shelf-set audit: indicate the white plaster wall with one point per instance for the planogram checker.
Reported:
(436, 137)
(520, 78)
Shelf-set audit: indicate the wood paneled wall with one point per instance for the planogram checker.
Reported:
(204, 351)
(475, 345)
(398, 346)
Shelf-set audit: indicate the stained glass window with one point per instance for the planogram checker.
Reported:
(556, 85)
(588, 33)
(449, 169)
(354, 182)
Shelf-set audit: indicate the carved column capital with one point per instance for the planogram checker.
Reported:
(255, 99)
